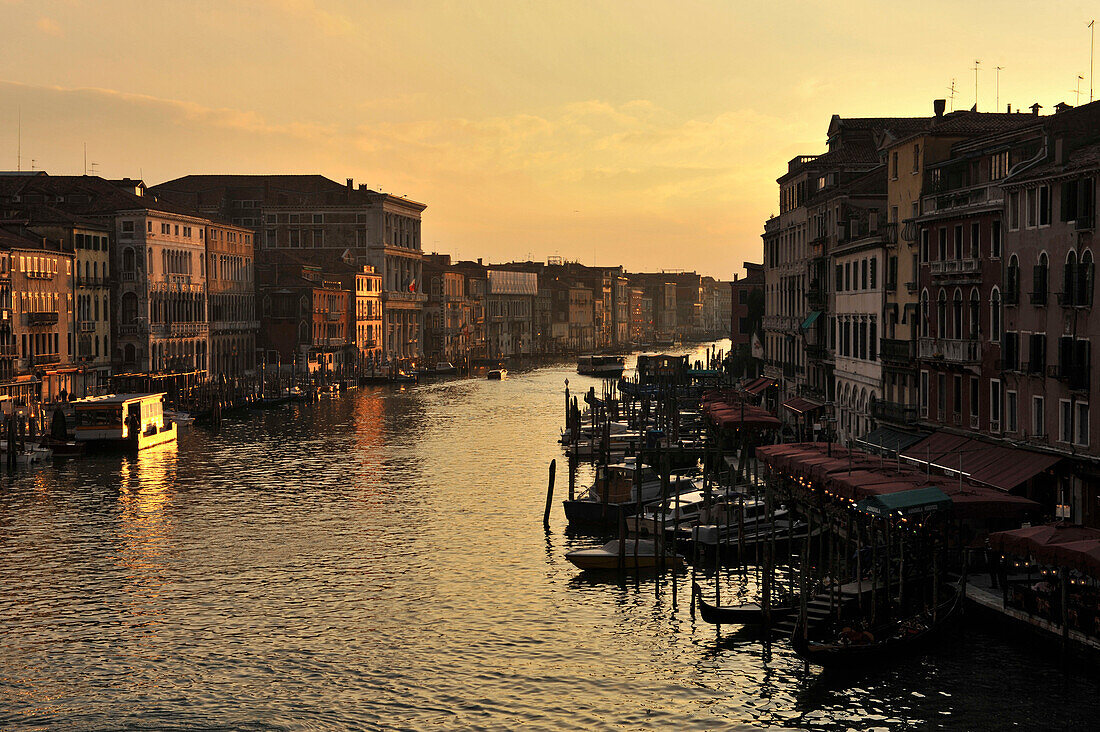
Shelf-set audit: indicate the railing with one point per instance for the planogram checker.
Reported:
(128, 276)
(895, 412)
(1075, 299)
(910, 287)
(1084, 223)
(1011, 297)
(817, 351)
(891, 285)
(1039, 297)
(7, 350)
(910, 230)
(44, 359)
(176, 330)
(404, 296)
(955, 266)
(334, 317)
(131, 329)
(896, 350)
(43, 318)
(87, 327)
(888, 232)
(952, 350)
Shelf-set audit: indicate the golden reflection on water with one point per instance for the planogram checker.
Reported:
(146, 483)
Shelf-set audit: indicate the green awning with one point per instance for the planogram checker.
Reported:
(811, 319)
(906, 503)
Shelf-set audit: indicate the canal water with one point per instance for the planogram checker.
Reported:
(377, 560)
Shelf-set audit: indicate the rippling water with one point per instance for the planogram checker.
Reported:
(378, 561)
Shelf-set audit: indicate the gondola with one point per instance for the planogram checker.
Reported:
(747, 614)
(904, 637)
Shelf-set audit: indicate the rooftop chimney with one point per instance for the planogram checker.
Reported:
(939, 105)
(479, 260)
(1009, 110)
(1035, 108)
(1062, 107)
(351, 183)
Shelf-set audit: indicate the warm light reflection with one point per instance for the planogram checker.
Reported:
(146, 482)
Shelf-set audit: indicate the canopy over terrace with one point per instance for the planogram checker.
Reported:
(998, 466)
(756, 386)
(853, 475)
(1057, 545)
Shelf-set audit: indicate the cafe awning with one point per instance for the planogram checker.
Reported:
(811, 319)
(890, 439)
(758, 385)
(906, 503)
(999, 466)
(800, 405)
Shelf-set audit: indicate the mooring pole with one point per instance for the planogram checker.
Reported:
(549, 496)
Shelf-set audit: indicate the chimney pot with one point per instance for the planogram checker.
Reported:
(1009, 110)
(939, 105)
(1035, 108)
(351, 183)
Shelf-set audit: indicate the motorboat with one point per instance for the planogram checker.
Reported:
(626, 485)
(444, 368)
(604, 367)
(182, 420)
(497, 374)
(627, 554)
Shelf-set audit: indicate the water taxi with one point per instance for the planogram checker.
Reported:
(497, 374)
(604, 367)
(131, 421)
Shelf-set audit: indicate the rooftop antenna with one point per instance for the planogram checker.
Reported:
(952, 97)
(1092, 51)
(1077, 91)
(977, 67)
(85, 158)
(19, 143)
(997, 104)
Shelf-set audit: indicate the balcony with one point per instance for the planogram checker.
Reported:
(896, 351)
(1084, 223)
(335, 317)
(44, 359)
(952, 267)
(1039, 297)
(888, 232)
(891, 285)
(951, 350)
(1075, 299)
(87, 327)
(817, 352)
(7, 350)
(816, 296)
(910, 230)
(402, 296)
(43, 318)
(910, 287)
(895, 412)
(177, 330)
(128, 276)
(1075, 377)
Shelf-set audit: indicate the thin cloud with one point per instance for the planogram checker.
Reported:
(49, 26)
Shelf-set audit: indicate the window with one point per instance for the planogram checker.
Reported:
(974, 401)
(1012, 281)
(1011, 352)
(916, 158)
(1014, 210)
(1039, 281)
(1082, 426)
(975, 232)
(1029, 204)
(318, 218)
(1065, 420)
(956, 394)
(874, 263)
(1044, 205)
(998, 165)
(1010, 411)
(894, 165)
(1038, 416)
(958, 241)
(839, 278)
(943, 243)
(995, 239)
(847, 276)
(995, 316)
(127, 227)
(1037, 353)
(272, 240)
(923, 246)
(924, 313)
(941, 394)
(994, 405)
(941, 315)
(863, 273)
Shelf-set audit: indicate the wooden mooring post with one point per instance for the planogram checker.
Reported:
(549, 496)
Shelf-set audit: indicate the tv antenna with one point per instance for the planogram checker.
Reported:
(952, 97)
(997, 105)
(977, 67)
(1092, 51)
(1077, 91)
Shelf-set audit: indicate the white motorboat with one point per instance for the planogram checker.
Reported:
(628, 554)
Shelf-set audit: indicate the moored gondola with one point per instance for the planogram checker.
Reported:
(855, 648)
(745, 614)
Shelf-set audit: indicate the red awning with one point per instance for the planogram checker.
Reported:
(998, 466)
(800, 405)
(757, 386)
(1035, 539)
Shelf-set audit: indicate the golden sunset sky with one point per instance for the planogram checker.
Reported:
(637, 133)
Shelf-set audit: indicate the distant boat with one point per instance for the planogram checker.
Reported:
(604, 367)
(180, 419)
(636, 554)
(497, 374)
(443, 368)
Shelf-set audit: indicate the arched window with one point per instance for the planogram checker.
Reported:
(995, 316)
(941, 315)
(1039, 281)
(1069, 280)
(1085, 279)
(957, 314)
(1012, 281)
(923, 313)
(129, 308)
(975, 313)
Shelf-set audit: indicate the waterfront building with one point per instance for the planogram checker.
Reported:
(509, 308)
(364, 326)
(641, 316)
(90, 243)
(742, 290)
(799, 318)
(304, 316)
(447, 313)
(330, 222)
(42, 315)
(1048, 293)
(231, 300)
(620, 303)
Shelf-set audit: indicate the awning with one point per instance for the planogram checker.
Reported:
(1034, 539)
(890, 439)
(799, 405)
(906, 503)
(758, 385)
(999, 466)
(811, 319)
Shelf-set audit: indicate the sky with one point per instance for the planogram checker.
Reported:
(637, 133)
